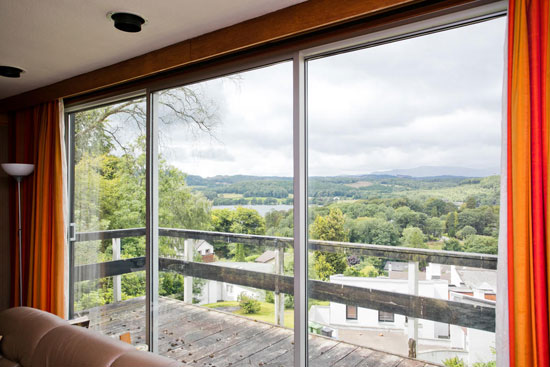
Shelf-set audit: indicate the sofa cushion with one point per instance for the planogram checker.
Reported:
(22, 329)
(75, 346)
(144, 359)
(7, 363)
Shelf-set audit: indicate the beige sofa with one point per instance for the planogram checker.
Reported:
(34, 338)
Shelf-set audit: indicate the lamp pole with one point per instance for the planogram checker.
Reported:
(18, 179)
(18, 171)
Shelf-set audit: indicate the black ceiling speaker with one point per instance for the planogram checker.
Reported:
(10, 71)
(127, 22)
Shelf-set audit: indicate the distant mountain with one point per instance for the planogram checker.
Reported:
(434, 171)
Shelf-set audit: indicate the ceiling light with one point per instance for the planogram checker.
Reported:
(10, 71)
(127, 22)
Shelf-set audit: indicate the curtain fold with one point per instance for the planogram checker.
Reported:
(37, 140)
(528, 220)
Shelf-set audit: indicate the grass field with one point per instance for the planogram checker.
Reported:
(231, 196)
(266, 314)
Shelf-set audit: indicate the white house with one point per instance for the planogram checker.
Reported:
(203, 247)
(214, 291)
(436, 341)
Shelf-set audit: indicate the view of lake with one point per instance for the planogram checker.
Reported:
(262, 209)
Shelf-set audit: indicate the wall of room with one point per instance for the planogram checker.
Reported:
(5, 269)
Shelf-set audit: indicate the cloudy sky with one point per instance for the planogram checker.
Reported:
(429, 101)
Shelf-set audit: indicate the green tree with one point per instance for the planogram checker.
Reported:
(481, 244)
(413, 237)
(452, 244)
(373, 231)
(466, 232)
(406, 217)
(434, 227)
(240, 220)
(329, 228)
(451, 224)
(470, 202)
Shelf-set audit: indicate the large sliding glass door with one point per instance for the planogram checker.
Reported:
(108, 211)
(225, 193)
(336, 206)
(404, 151)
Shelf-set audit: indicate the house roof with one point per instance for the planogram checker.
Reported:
(396, 266)
(482, 279)
(266, 257)
(200, 243)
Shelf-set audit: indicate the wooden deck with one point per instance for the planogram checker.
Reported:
(203, 337)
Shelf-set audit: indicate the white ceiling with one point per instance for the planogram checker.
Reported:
(54, 40)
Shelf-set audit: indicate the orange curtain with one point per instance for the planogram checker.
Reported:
(528, 184)
(37, 139)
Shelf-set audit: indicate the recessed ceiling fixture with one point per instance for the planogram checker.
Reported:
(127, 22)
(10, 71)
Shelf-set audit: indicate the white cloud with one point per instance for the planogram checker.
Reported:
(433, 100)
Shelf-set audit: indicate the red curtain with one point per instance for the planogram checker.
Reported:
(36, 138)
(528, 182)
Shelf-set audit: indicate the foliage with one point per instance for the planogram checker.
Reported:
(323, 268)
(434, 227)
(269, 297)
(373, 231)
(248, 304)
(366, 270)
(481, 244)
(171, 284)
(413, 237)
(451, 223)
(466, 232)
(452, 244)
(485, 364)
(454, 362)
(329, 228)
(289, 301)
(240, 220)
(470, 202)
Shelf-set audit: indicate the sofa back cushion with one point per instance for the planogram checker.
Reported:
(75, 346)
(22, 328)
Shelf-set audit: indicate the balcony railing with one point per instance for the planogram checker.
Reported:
(476, 316)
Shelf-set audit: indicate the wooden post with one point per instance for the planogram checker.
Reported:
(188, 250)
(278, 296)
(413, 322)
(117, 296)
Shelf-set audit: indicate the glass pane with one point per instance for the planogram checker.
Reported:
(404, 150)
(109, 216)
(225, 178)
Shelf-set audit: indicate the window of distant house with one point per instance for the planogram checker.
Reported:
(386, 316)
(351, 312)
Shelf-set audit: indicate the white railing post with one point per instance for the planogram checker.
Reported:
(278, 296)
(117, 294)
(413, 322)
(188, 249)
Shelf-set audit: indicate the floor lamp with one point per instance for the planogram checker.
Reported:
(18, 171)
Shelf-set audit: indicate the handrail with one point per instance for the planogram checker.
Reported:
(476, 260)
(477, 316)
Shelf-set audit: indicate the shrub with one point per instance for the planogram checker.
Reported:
(353, 260)
(454, 362)
(289, 301)
(269, 298)
(248, 304)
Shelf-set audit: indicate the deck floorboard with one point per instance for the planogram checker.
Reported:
(201, 337)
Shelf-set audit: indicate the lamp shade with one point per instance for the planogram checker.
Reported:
(18, 169)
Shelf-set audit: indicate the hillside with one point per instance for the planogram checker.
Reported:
(235, 190)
